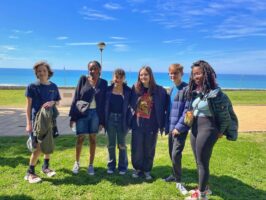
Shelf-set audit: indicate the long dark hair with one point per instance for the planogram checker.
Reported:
(139, 88)
(209, 78)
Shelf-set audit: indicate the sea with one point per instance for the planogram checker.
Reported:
(69, 78)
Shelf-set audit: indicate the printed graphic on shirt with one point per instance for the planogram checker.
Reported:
(144, 106)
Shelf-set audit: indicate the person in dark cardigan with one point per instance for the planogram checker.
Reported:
(116, 109)
(176, 129)
(148, 109)
(90, 89)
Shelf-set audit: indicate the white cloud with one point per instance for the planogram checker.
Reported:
(118, 38)
(121, 47)
(90, 14)
(81, 43)
(22, 31)
(7, 48)
(62, 38)
(54, 46)
(13, 37)
(112, 6)
(175, 41)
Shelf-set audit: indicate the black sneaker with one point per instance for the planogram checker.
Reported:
(170, 178)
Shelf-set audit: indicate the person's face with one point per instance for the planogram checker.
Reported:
(175, 75)
(42, 73)
(197, 74)
(94, 70)
(144, 77)
(118, 80)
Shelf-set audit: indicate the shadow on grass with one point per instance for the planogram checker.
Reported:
(15, 197)
(13, 161)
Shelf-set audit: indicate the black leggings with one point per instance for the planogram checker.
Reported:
(204, 136)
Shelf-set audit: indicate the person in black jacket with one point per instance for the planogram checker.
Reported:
(91, 92)
(177, 131)
(148, 108)
(116, 109)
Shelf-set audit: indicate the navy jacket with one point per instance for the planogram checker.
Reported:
(160, 99)
(175, 116)
(84, 91)
(126, 93)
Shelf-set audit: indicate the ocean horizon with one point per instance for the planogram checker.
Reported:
(69, 78)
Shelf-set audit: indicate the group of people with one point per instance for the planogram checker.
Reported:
(146, 108)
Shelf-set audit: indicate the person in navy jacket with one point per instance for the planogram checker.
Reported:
(90, 89)
(116, 109)
(176, 129)
(148, 109)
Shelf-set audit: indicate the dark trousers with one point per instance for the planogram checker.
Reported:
(204, 136)
(115, 132)
(176, 145)
(143, 145)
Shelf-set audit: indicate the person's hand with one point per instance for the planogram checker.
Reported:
(29, 128)
(220, 135)
(48, 104)
(100, 127)
(175, 132)
(71, 123)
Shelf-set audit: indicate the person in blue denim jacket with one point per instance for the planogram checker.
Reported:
(116, 109)
(90, 89)
(148, 109)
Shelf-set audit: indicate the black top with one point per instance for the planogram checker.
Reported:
(116, 103)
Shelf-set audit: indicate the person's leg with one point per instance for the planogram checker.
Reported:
(121, 140)
(171, 177)
(92, 141)
(137, 149)
(111, 133)
(207, 137)
(178, 146)
(150, 139)
(79, 143)
(30, 175)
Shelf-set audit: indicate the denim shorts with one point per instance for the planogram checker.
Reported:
(88, 124)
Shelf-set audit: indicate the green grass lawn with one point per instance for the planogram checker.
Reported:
(237, 172)
(16, 98)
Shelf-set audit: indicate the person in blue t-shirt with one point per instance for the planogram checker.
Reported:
(42, 93)
(175, 128)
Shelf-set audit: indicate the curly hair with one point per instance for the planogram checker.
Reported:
(139, 88)
(43, 63)
(209, 77)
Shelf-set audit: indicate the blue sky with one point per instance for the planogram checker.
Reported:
(229, 34)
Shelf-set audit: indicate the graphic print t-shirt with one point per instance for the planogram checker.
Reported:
(144, 106)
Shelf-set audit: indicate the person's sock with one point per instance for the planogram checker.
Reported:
(31, 169)
(45, 164)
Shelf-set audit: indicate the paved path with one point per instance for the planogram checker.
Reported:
(13, 120)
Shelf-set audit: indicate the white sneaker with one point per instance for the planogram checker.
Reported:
(122, 172)
(109, 171)
(32, 178)
(75, 169)
(135, 174)
(49, 172)
(148, 176)
(181, 188)
(197, 195)
(207, 191)
(90, 170)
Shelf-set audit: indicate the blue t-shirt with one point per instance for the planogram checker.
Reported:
(173, 95)
(40, 94)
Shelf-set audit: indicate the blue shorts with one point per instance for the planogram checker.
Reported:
(88, 124)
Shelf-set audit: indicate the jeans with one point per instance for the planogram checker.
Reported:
(115, 131)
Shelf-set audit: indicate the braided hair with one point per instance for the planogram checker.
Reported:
(209, 78)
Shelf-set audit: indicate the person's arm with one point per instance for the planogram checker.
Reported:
(28, 115)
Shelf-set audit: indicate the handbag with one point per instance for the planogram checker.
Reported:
(189, 117)
(82, 106)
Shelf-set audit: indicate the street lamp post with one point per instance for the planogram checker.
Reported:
(101, 46)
